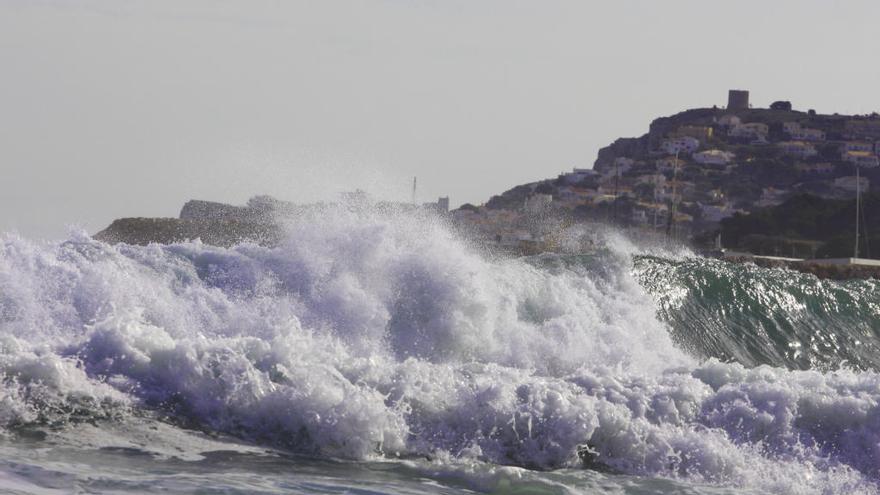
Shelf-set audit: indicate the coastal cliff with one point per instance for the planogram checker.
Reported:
(211, 222)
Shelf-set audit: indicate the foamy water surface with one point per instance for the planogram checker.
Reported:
(375, 355)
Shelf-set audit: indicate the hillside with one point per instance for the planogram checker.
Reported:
(806, 226)
(694, 169)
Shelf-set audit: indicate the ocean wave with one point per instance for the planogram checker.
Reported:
(363, 337)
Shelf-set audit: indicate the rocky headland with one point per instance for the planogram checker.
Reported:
(213, 223)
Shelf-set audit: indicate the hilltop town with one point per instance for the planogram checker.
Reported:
(766, 181)
(692, 171)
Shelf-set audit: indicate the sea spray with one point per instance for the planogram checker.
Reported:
(369, 337)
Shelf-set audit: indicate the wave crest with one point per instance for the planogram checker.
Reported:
(364, 336)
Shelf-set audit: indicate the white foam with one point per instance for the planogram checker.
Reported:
(364, 336)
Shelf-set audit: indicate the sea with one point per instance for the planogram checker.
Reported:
(389, 354)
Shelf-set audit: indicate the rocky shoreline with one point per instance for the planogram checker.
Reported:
(224, 225)
(213, 223)
(219, 232)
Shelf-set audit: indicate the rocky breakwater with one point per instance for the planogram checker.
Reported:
(213, 223)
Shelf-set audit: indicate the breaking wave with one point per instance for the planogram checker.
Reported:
(363, 336)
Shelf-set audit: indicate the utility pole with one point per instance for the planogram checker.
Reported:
(656, 209)
(858, 199)
(672, 208)
(616, 185)
(414, 191)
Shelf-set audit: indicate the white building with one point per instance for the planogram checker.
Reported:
(683, 144)
(799, 149)
(754, 130)
(863, 128)
(441, 206)
(464, 215)
(728, 120)
(622, 164)
(614, 191)
(849, 183)
(570, 194)
(861, 158)
(656, 180)
(815, 168)
(577, 175)
(856, 146)
(537, 203)
(716, 195)
(640, 217)
(806, 134)
(513, 238)
(791, 127)
(713, 157)
(716, 213)
(669, 164)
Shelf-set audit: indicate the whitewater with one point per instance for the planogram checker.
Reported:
(370, 353)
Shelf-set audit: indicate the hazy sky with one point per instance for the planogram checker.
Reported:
(113, 108)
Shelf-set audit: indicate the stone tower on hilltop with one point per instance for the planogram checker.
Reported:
(737, 99)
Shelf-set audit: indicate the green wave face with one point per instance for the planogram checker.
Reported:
(760, 316)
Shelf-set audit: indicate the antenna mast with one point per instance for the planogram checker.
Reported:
(414, 191)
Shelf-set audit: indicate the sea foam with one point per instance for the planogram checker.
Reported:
(363, 336)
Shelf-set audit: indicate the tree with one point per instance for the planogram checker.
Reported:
(545, 188)
(781, 105)
(803, 217)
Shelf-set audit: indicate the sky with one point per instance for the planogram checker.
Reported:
(119, 108)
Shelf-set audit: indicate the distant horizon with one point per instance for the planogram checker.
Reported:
(119, 109)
